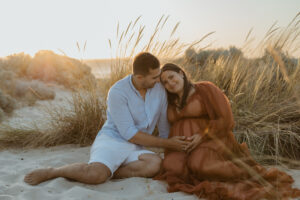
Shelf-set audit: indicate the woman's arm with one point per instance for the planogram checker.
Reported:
(219, 113)
(218, 108)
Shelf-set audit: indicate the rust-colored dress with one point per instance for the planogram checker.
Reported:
(219, 167)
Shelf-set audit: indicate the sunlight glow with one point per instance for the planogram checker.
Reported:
(58, 25)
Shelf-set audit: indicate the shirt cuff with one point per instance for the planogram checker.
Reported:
(130, 133)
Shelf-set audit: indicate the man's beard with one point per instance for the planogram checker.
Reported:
(146, 86)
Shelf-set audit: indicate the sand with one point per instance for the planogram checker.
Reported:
(16, 163)
(37, 116)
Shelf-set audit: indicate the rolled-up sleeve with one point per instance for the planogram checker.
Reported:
(163, 124)
(117, 106)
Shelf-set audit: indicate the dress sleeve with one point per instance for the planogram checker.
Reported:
(218, 109)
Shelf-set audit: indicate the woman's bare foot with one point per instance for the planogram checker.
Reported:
(40, 175)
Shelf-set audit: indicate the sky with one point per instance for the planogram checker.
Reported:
(58, 25)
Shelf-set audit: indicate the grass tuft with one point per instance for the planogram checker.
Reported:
(78, 125)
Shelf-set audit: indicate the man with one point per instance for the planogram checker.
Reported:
(135, 105)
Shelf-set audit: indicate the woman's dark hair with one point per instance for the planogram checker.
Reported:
(187, 85)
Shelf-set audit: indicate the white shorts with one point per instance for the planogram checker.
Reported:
(114, 153)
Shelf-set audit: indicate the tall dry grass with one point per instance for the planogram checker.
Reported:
(264, 105)
(78, 124)
(264, 94)
(264, 91)
(81, 124)
(131, 40)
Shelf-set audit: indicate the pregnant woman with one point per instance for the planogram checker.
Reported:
(214, 165)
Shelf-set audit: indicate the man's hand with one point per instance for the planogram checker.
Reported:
(178, 143)
(194, 141)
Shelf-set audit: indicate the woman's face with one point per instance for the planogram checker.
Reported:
(173, 81)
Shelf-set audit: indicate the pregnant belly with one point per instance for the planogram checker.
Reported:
(188, 127)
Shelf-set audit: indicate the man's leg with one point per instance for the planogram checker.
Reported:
(147, 165)
(94, 173)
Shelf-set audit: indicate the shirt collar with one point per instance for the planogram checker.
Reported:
(131, 84)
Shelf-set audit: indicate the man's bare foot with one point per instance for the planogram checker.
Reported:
(40, 175)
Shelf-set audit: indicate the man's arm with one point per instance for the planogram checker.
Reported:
(118, 109)
(177, 143)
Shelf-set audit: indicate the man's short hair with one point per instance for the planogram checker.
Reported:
(143, 62)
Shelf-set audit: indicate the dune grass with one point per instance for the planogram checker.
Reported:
(265, 105)
(264, 94)
(78, 125)
(263, 91)
(128, 44)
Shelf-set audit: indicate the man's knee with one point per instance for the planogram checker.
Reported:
(153, 164)
(97, 173)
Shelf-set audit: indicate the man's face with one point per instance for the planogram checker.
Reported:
(151, 78)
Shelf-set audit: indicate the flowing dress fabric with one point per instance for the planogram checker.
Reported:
(219, 167)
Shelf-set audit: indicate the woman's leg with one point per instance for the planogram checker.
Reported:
(175, 163)
(208, 164)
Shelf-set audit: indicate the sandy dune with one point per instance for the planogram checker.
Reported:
(16, 163)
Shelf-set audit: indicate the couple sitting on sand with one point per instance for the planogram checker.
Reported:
(195, 125)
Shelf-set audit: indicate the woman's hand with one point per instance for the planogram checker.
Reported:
(194, 141)
(178, 143)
